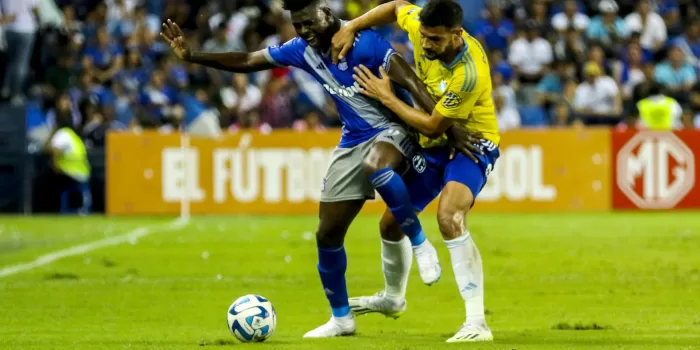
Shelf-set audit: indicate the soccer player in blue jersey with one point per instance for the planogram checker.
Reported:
(456, 71)
(373, 146)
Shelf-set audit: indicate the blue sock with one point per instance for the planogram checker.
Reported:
(332, 263)
(394, 192)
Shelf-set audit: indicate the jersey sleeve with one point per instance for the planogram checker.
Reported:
(290, 53)
(373, 50)
(462, 93)
(409, 21)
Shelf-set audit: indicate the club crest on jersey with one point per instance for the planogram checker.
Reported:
(451, 100)
(443, 86)
(343, 65)
(419, 163)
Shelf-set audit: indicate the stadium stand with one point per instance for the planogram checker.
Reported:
(106, 59)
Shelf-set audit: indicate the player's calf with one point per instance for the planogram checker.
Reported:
(455, 201)
(335, 218)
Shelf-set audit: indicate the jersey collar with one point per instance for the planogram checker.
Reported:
(459, 56)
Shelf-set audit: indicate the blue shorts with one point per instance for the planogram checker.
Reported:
(432, 168)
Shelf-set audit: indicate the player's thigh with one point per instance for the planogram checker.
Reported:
(424, 178)
(464, 179)
(389, 150)
(335, 219)
(345, 179)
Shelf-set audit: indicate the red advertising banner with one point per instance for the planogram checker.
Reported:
(655, 170)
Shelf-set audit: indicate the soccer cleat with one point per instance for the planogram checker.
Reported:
(336, 327)
(472, 333)
(379, 303)
(428, 263)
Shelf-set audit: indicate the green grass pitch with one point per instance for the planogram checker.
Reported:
(564, 281)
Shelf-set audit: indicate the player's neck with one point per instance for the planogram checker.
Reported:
(451, 56)
(333, 28)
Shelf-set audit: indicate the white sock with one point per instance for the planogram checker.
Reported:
(468, 270)
(397, 258)
(349, 318)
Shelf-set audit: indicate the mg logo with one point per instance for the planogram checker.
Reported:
(655, 170)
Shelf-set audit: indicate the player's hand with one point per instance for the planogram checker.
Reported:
(174, 36)
(372, 86)
(342, 42)
(465, 141)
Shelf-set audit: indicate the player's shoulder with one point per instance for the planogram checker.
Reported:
(470, 72)
(368, 43)
(295, 43)
(409, 9)
(466, 76)
(408, 17)
(368, 37)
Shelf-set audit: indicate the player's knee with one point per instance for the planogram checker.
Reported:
(329, 237)
(451, 223)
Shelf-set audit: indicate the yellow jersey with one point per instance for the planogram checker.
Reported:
(462, 89)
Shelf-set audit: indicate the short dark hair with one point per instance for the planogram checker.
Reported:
(446, 13)
(298, 5)
(655, 89)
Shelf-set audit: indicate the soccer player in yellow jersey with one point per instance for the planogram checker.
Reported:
(455, 70)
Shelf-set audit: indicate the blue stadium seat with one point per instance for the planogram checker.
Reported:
(35, 117)
(84, 190)
(532, 116)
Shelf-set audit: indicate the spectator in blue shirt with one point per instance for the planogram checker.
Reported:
(134, 75)
(495, 32)
(159, 98)
(607, 28)
(689, 43)
(669, 10)
(676, 75)
(500, 65)
(104, 59)
(551, 88)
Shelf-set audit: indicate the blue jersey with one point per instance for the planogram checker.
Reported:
(362, 117)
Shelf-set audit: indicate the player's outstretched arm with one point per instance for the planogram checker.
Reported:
(431, 125)
(383, 14)
(461, 138)
(238, 62)
(401, 73)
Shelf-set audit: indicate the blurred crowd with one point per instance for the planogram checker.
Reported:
(102, 64)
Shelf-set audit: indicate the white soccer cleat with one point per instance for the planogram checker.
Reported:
(378, 303)
(336, 327)
(428, 263)
(472, 333)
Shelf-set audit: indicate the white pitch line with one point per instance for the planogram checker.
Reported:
(87, 247)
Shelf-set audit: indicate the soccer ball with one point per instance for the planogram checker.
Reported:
(251, 318)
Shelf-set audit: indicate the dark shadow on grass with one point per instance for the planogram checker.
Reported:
(61, 276)
(564, 326)
(232, 342)
(217, 342)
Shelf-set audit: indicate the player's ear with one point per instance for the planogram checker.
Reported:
(327, 13)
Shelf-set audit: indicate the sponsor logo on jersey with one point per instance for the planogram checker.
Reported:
(451, 100)
(346, 91)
